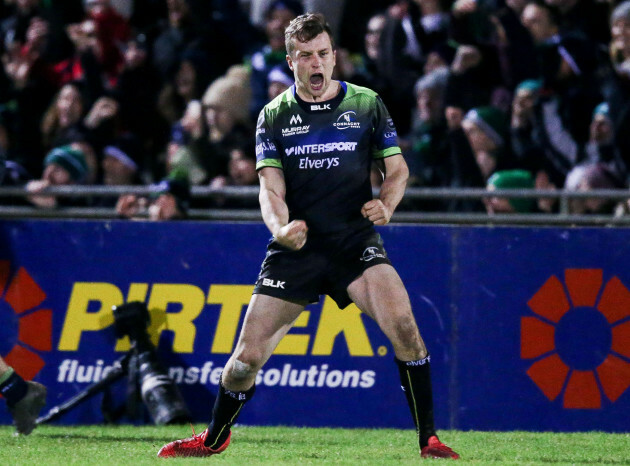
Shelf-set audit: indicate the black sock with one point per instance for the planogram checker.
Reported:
(227, 407)
(13, 388)
(415, 377)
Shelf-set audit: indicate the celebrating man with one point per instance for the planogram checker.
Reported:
(315, 146)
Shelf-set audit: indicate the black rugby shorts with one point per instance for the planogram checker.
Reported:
(323, 266)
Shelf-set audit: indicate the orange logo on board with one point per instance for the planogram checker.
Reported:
(24, 297)
(579, 339)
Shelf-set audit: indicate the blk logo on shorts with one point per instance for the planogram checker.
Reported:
(273, 283)
(372, 253)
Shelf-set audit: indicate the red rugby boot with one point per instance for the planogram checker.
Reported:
(436, 449)
(192, 446)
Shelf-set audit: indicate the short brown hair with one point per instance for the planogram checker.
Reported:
(306, 28)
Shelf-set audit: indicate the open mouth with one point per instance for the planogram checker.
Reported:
(317, 81)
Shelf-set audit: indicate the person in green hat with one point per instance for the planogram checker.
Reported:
(601, 146)
(487, 132)
(510, 179)
(63, 165)
(525, 96)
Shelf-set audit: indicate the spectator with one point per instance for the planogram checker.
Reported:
(63, 121)
(26, 84)
(137, 92)
(515, 45)
(147, 14)
(32, 16)
(587, 18)
(527, 154)
(601, 147)
(64, 165)
(487, 133)
(176, 35)
(97, 59)
(497, 31)
(102, 122)
(471, 22)
(112, 30)
(428, 154)
(110, 22)
(373, 33)
(241, 172)
(169, 201)
(570, 92)
(522, 123)
(179, 154)
(470, 84)
(189, 83)
(587, 177)
(7, 148)
(616, 86)
(358, 12)
(122, 163)
(278, 81)
(620, 45)
(509, 179)
(14, 27)
(440, 56)
(361, 69)
(12, 172)
(277, 17)
(411, 31)
(225, 114)
(525, 97)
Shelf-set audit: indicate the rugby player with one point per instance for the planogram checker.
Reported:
(315, 146)
(24, 398)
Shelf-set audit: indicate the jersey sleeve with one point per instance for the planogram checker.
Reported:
(266, 150)
(385, 137)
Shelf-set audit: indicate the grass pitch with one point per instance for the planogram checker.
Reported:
(130, 445)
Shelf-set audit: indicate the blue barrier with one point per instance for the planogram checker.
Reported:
(529, 328)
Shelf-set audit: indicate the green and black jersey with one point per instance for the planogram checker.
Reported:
(325, 150)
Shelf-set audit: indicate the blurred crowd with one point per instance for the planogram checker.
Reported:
(484, 93)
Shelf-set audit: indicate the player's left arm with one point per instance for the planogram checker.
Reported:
(379, 211)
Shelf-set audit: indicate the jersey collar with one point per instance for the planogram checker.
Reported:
(324, 106)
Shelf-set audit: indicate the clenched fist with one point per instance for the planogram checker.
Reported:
(376, 212)
(292, 235)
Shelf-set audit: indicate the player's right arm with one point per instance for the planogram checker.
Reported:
(273, 188)
(275, 211)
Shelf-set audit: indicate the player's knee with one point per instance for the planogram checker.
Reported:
(407, 336)
(243, 370)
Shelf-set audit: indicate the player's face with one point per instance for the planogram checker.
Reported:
(312, 64)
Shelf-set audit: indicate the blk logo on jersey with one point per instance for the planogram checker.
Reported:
(320, 107)
(347, 120)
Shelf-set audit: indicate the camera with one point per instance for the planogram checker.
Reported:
(158, 391)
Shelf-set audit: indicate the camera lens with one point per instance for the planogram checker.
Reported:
(160, 394)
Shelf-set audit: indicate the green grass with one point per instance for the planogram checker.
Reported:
(128, 445)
